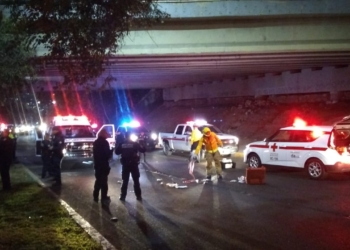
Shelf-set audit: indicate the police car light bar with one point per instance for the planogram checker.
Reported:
(132, 124)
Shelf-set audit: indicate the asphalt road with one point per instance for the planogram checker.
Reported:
(290, 211)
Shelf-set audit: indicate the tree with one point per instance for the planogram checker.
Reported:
(80, 36)
(15, 62)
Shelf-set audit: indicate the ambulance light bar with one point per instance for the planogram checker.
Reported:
(70, 120)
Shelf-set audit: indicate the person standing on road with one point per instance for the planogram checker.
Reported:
(130, 159)
(13, 136)
(196, 135)
(6, 158)
(211, 142)
(101, 154)
(57, 153)
(46, 156)
(142, 141)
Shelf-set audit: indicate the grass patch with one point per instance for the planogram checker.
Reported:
(31, 218)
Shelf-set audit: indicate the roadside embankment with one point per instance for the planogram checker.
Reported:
(250, 120)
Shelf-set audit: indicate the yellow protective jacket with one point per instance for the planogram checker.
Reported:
(211, 142)
(195, 136)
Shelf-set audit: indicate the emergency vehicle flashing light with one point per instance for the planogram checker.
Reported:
(317, 132)
(43, 127)
(70, 120)
(94, 125)
(132, 124)
(298, 123)
(200, 122)
(3, 127)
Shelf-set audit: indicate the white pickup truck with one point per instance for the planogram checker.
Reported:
(180, 140)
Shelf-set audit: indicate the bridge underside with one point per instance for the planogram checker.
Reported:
(137, 72)
(187, 52)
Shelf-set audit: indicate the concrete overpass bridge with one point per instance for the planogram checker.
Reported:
(237, 48)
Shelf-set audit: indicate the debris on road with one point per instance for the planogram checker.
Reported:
(190, 181)
(242, 179)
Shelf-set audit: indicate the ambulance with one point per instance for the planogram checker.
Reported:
(79, 137)
(317, 149)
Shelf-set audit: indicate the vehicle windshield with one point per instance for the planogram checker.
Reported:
(77, 131)
(212, 128)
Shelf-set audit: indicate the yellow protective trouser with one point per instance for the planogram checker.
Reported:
(216, 157)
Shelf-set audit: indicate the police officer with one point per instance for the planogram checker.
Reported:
(130, 159)
(13, 136)
(142, 141)
(6, 158)
(102, 154)
(46, 156)
(57, 153)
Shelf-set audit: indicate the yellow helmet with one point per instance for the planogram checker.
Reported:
(206, 131)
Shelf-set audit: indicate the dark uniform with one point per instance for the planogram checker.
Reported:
(6, 158)
(130, 160)
(101, 154)
(57, 154)
(143, 143)
(46, 157)
(13, 136)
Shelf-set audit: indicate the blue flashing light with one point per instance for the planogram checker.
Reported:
(132, 124)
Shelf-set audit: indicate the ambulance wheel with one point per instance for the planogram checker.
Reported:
(254, 161)
(166, 149)
(315, 169)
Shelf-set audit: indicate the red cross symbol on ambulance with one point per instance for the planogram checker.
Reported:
(274, 147)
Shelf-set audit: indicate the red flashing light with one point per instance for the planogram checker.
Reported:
(317, 132)
(298, 122)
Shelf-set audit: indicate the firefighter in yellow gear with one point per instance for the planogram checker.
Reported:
(212, 144)
(196, 135)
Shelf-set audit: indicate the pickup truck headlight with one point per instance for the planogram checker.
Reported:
(133, 137)
(154, 136)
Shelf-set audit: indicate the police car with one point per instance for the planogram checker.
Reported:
(318, 149)
(137, 133)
